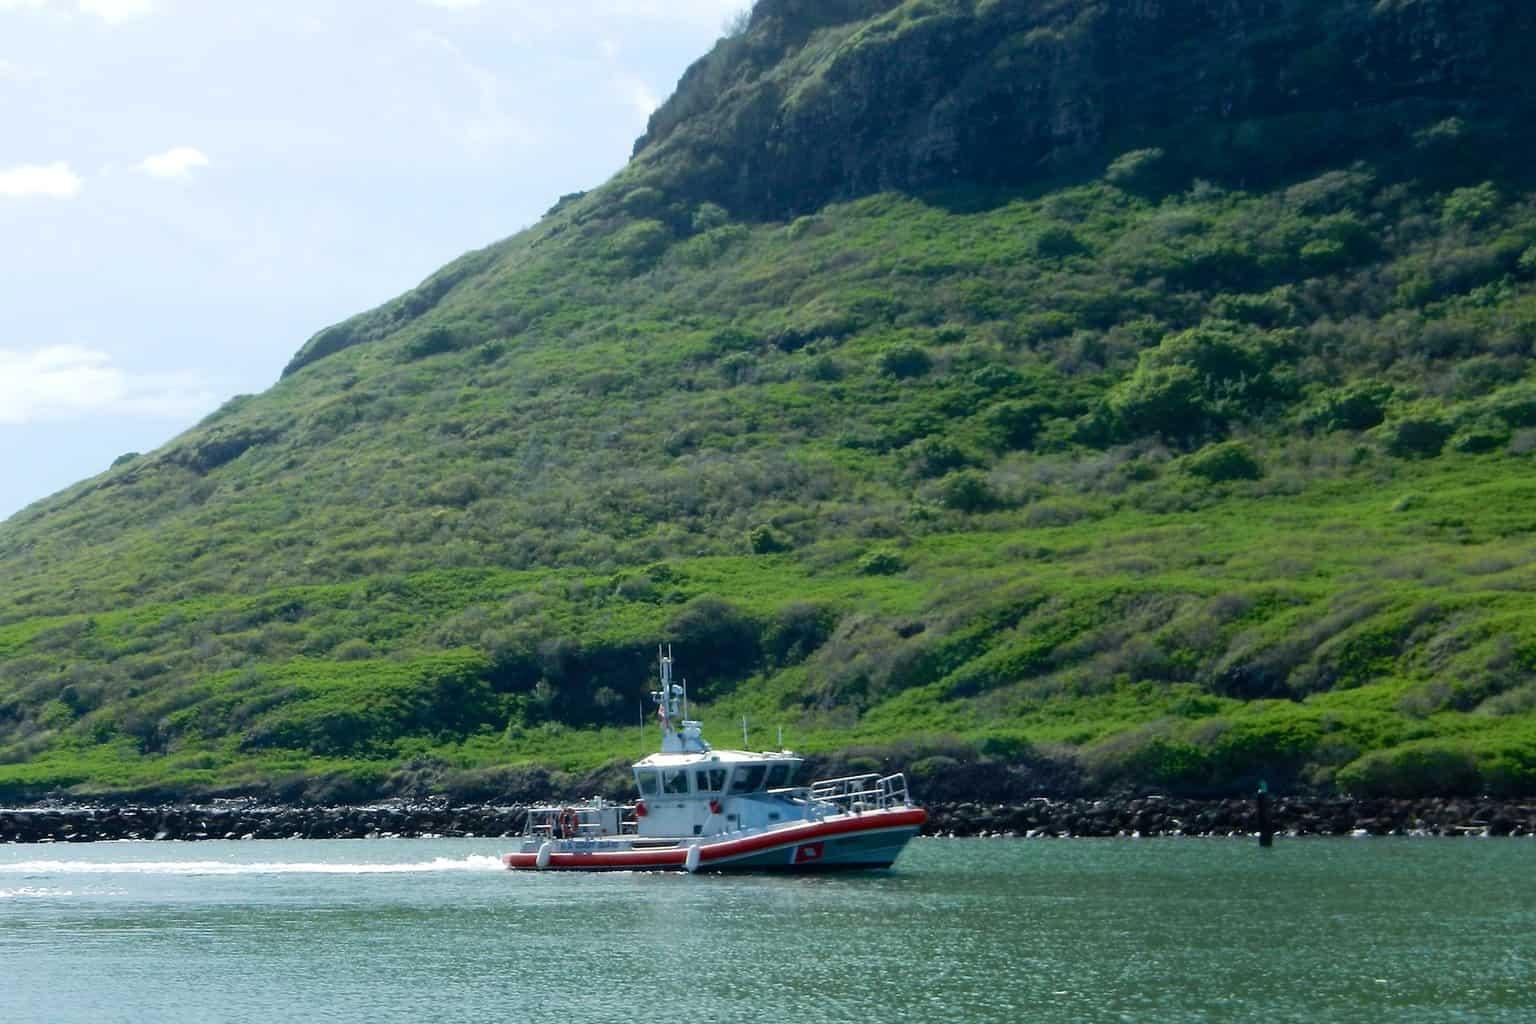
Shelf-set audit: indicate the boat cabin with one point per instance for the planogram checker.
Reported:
(706, 793)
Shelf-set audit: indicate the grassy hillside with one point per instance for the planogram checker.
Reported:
(1142, 468)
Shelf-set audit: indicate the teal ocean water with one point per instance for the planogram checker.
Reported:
(962, 930)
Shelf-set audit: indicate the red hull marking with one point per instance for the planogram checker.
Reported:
(730, 849)
(810, 853)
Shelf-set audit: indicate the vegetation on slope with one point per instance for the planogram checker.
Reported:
(1180, 480)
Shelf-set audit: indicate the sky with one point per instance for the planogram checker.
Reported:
(189, 189)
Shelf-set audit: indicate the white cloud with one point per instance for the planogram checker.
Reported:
(637, 94)
(490, 125)
(50, 181)
(581, 15)
(114, 11)
(111, 11)
(68, 382)
(179, 162)
(711, 11)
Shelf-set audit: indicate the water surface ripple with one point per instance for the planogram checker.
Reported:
(963, 930)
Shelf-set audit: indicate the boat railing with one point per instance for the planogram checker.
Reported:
(869, 792)
(542, 821)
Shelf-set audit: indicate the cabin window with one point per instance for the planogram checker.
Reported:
(645, 778)
(749, 778)
(779, 776)
(674, 780)
(710, 781)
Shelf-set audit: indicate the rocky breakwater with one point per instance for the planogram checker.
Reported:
(1159, 816)
(1040, 818)
(250, 821)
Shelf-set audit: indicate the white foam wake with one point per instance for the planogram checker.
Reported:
(218, 867)
(28, 892)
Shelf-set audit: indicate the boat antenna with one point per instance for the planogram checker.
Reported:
(781, 737)
(745, 743)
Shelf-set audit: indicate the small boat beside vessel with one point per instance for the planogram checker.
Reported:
(701, 809)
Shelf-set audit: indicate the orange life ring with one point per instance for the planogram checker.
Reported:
(640, 809)
(714, 807)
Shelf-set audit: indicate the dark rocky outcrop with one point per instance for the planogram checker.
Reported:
(820, 101)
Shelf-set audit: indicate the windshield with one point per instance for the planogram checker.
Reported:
(749, 778)
(709, 781)
(645, 778)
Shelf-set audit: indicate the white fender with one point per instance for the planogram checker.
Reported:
(542, 861)
(691, 862)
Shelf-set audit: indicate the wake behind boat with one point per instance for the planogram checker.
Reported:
(701, 809)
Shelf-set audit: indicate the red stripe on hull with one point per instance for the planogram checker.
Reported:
(722, 851)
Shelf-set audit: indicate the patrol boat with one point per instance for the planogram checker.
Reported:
(702, 809)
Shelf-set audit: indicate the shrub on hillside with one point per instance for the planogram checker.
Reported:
(1037, 328)
(994, 377)
(1195, 381)
(1332, 191)
(905, 362)
(1480, 375)
(1481, 435)
(968, 491)
(737, 368)
(1527, 262)
(639, 243)
(934, 456)
(1429, 769)
(709, 216)
(802, 227)
(765, 540)
(1515, 406)
(1231, 460)
(815, 321)
(1356, 407)
(1268, 310)
(643, 201)
(1415, 435)
(1472, 207)
(435, 341)
(882, 562)
(707, 248)
(1058, 242)
(1169, 401)
(1014, 425)
(723, 641)
(458, 491)
(797, 631)
(825, 369)
(1140, 170)
(355, 649)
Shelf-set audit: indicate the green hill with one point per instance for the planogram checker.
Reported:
(1136, 390)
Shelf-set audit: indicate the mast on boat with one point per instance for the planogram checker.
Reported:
(679, 735)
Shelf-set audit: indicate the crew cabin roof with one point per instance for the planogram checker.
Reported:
(715, 757)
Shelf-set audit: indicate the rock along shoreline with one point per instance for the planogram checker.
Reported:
(1040, 818)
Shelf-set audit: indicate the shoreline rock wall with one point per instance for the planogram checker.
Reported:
(1040, 818)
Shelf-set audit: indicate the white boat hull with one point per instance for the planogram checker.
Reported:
(843, 842)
